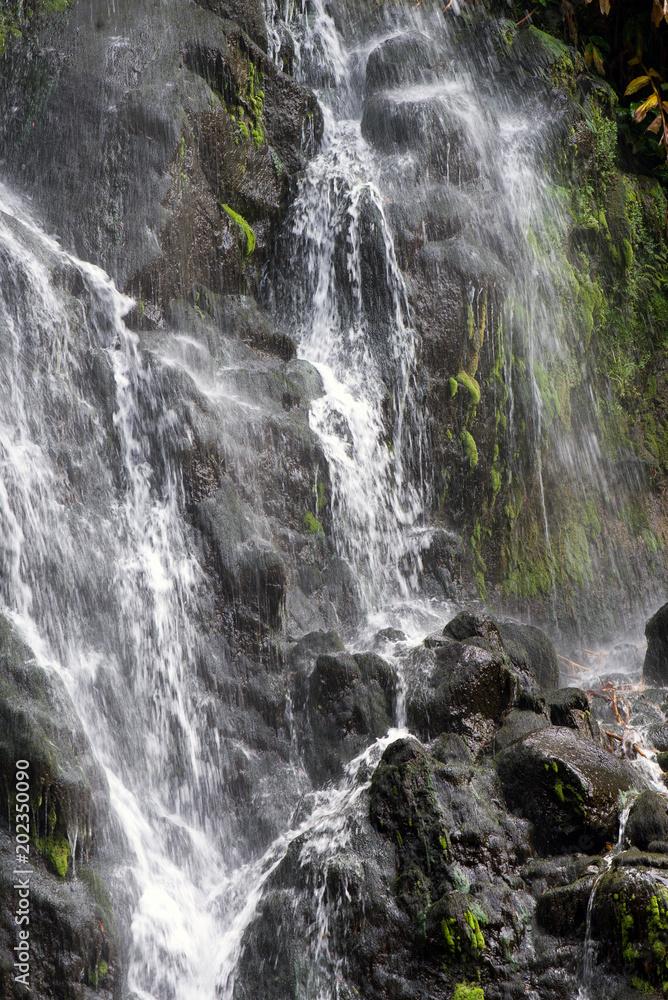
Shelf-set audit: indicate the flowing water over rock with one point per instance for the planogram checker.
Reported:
(195, 495)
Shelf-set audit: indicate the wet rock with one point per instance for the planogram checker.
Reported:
(648, 820)
(655, 667)
(408, 58)
(452, 928)
(468, 691)
(427, 127)
(625, 658)
(571, 707)
(404, 808)
(567, 786)
(73, 935)
(248, 14)
(130, 165)
(517, 724)
(38, 724)
(657, 736)
(563, 910)
(631, 914)
(530, 648)
(310, 646)
(350, 702)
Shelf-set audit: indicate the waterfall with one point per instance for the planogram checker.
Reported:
(108, 580)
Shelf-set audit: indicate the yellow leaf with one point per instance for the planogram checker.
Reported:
(605, 6)
(598, 62)
(657, 13)
(651, 102)
(653, 72)
(640, 81)
(655, 126)
(664, 105)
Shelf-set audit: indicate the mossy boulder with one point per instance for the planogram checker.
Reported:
(403, 807)
(655, 667)
(452, 929)
(631, 916)
(567, 786)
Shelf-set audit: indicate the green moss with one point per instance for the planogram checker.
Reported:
(312, 525)
(470, 384)
(452, 383)
(244, 226)
(464, 991)
(495, 477)
(470, 448)
(477, 939)
(55, 848)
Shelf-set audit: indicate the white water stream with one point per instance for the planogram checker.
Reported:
(102, 591)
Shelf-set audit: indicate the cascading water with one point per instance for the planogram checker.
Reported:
(502, 227)
(100, 573)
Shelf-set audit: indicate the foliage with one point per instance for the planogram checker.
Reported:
(18, 16)
(244, 226)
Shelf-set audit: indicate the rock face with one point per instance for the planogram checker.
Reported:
(567, 786)
(202, 118)
(655, 668)
(74, 941)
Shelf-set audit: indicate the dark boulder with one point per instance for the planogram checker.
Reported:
(648, 820)
(403, 60)
(530, 648)
(657, 736)
(655, 668)
(567, 786)
(349, 703)
(403, 806)
(563, 910)
(468, 692)
(518, 723)
(570, 707)
(248, 14)
(527, 647)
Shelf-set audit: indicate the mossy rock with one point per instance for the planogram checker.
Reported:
(631, 914)
(404, 808)
(38, 724)
(568, 787)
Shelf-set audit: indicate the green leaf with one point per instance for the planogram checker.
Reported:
(640, 81)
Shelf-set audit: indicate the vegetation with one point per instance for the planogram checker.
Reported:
(19, 15)
(244, 226)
